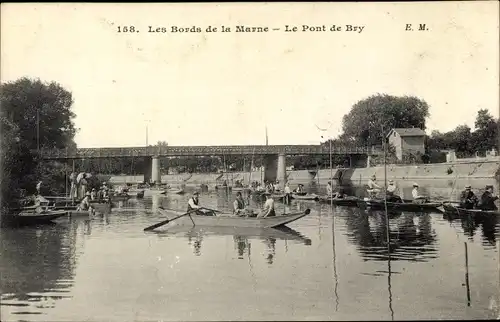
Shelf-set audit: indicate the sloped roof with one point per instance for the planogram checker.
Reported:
(408, 132)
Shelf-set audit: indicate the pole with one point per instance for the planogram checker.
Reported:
(146, 135)
(38, 130)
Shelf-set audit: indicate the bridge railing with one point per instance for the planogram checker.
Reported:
(202, 150)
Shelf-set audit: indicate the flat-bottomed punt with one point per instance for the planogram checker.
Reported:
(347, 201)
(229, 220)
(30, 217)
(449, 208)
(400, 206)
(307, 196)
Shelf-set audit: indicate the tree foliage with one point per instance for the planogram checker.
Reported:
(33, 114)
(363, 124)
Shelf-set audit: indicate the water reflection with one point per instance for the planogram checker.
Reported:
(411, 235)
(38, 265)
(471, 222)
(241, 236)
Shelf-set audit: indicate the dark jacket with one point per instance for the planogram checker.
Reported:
(468, 199)
(487, 201)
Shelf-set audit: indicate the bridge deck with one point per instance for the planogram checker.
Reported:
(170, 151)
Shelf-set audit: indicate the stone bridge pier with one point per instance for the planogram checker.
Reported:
(152, 169)
(275, 168)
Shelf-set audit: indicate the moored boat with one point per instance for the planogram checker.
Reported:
(229, 220)
(177, 191)
(449, 208)
(349, 201)
(401, 206)
(307, 196)
(31, 217)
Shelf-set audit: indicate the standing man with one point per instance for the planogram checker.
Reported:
(73, 189)
(39, 188)
(288, 193)
(329, 189)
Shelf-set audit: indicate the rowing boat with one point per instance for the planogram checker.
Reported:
(408, 207)
(349, 201)
(176, 191)
(31, 217)
(307, 196)
(282, 233)
(229, 220)
(449, 208)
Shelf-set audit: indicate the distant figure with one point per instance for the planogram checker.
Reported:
(417, 198)
(339, 194)
(73, 190)
(81, 185)
(93, 194)
(329, 189)
(487, 201)
(300, 188)
(288, 193)
(268, 210)
(193, 204)
(391, 192)
(39, 188)
(468, 199)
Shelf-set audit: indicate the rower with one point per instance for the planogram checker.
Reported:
(487, 201)
(467, 198)
(85, 204)
(373, 187)
(339, 194)
(300, 188)
(193, 204)
(417, 198)
(391, 192)
(268, 210)
(239, 206)
(329, 189)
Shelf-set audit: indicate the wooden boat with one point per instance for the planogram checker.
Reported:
(229, 220)
(400, 206)
(120, 197)
(177, 191)
(305, 196)
(349, 201)
(449, 208)
(282, 233)
(31, 217)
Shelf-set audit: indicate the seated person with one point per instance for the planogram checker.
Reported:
(487, 201)
(468, 199)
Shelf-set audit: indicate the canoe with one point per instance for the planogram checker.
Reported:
(306, 196)
(349, 201)
(176, 191)
(282, 233)
(449, 208)
(228, 220)
(30, 217)
(399, 206)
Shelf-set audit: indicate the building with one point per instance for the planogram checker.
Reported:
(406, 141)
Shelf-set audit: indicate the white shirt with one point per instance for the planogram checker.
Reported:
(391, 188)
(268, 205)
(329, 190)
(414, 193)
(192, 205)
(79, 177)
(372, 184)
(287, 189)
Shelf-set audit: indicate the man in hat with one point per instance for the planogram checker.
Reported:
(417, 198)
(487, 201)
(193, 204)
(373, 187)
(467, 198)
(239, 207)
(391, 192)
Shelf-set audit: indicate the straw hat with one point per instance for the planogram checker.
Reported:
(415, 184)
(468, 186)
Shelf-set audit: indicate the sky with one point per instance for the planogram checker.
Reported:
(224, 88)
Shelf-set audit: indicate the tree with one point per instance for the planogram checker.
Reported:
(486, 135)
(25, 104)
(363, 124)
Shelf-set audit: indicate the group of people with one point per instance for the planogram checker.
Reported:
(469, 200)
(239, 207)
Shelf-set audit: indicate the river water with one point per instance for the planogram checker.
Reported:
(334, 264)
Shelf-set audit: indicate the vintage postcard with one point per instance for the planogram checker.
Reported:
(250, 161)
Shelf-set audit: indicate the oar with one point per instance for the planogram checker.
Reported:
(167, 221)
(211, 209)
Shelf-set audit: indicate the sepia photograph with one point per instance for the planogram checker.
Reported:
(250, 161)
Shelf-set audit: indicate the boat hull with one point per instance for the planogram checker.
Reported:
(311, 197)
(448, 208)
(27, 218)
(226, 220)
(348, 201)
(397, 206)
